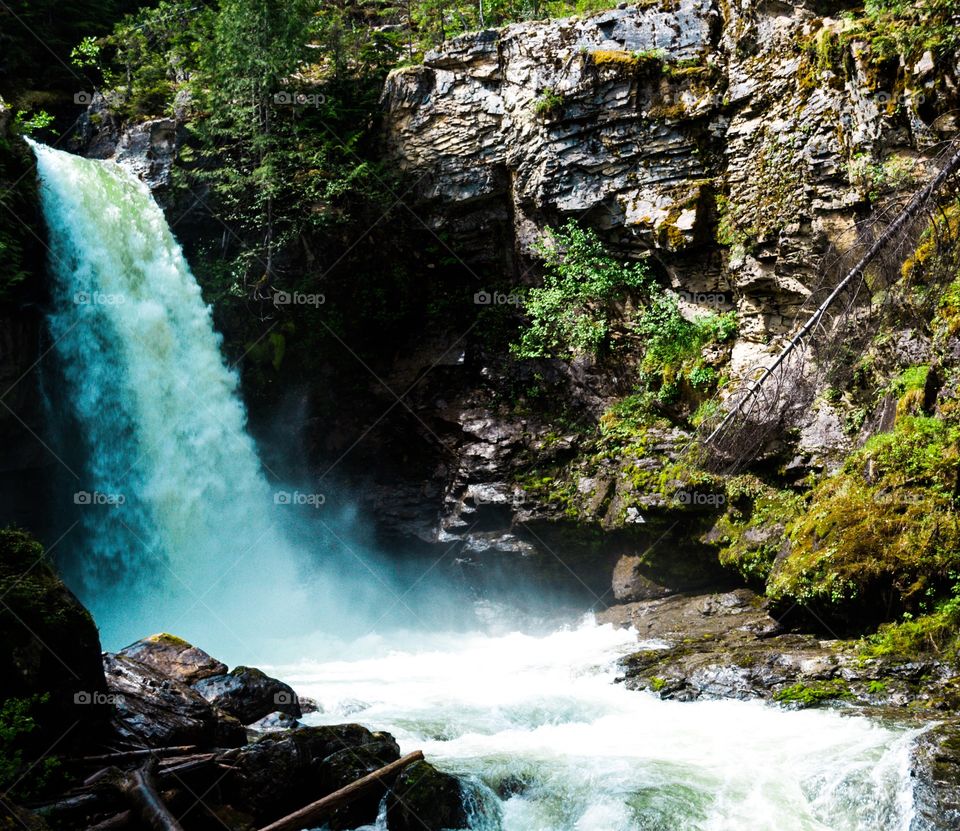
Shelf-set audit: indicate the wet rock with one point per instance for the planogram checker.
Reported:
(174, 657)
(281, 773)
(426, 799)
(148, 150)
(275, 722)
(249, 694)
(935, 769)
(348, 765)
(151, 709)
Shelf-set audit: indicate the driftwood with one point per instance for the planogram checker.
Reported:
(140, 789)
(308, 816)
(143, 753)
(101, 789)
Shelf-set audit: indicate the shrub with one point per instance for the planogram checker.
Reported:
(570, 314)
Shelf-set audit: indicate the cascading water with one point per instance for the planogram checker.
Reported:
(553, 744)
(179, 532)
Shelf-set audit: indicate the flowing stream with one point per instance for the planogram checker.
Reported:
(552, 743)
(182, 532)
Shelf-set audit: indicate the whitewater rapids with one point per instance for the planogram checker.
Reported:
(552, 743)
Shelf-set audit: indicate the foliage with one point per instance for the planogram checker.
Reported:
(937, 633)
(878, 178)
(20, 775)
(813, 694)
(908, 28)
(549, 102)
(20, 250)
(571, 314)
(673, 347)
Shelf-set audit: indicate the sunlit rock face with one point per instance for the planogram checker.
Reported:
(717, 136)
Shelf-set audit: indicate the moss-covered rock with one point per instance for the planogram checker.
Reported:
(883, 534)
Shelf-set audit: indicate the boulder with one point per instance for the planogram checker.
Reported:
(175, 658)
(280, 773)
(426, 799)
(249, 694)
(151, 709)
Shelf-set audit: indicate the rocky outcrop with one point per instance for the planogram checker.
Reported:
(147, 148)
(175, 658)
(705, 135)
(936, 772)
(151, 709)
(727, 645)
(165, 691)
(270, 777)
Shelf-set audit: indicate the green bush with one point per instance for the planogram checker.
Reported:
(570, 314)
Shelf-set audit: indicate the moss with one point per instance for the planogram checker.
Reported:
(657, 684)
(752, 532)
(883, 533)
(813, 694)
(912, 637)
(652, 61)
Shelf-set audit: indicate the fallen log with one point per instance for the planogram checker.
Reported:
(307, 816)
(141, 790)
(143, 753)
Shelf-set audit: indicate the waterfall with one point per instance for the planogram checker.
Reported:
(177, 524)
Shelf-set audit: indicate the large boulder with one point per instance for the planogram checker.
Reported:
(249, 694)
(151, 709)
(426, 799)
(175, 658)
(49, 645)
(278, 774)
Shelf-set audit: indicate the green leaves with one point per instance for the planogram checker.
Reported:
(571, 314)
